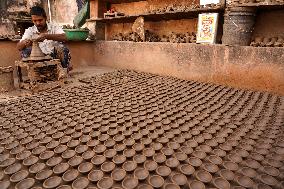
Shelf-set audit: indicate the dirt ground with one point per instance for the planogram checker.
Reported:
(74, 78)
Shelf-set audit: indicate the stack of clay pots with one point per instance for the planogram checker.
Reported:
(265, 2)
(268, 42)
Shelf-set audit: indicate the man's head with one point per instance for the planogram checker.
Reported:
(38, 15)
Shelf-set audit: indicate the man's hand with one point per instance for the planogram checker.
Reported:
(28, 42)
(42, 37)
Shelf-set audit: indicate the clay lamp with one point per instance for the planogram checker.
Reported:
(118, 174)
(107, 167)
(153, 136)
(119, 159)
(81, 149)
(127, 133)
(210, 167)
(234, 158)
(110, 153)
(203, 176)
(95, 175)
(80, 183)
(252, 164)
(139, 158)
(194, 161)
(23, 155)
(52, 182)
(54, 161)
(119, 137)
(129, 166)
(159, 158)
(141, 173)
(26, 183)
(156, 181)
(156, 146)
(14, 145)
(60, 149)
(75, 161)
(219, 152)
(221, 183)
(192, 143)
(65, 139)
(44, 174)
(187, 150)
(269, 180)
(119, 147)
(167, 151)
(199, 154)
(16, 150)
(146, 141)
(196, 185)
(85, 138)
(179, 179)
(138, 147)
(129, 153)
(93, 143)
(148, 152)
(37, 168)
(172, 162)
(73, 143)
(85, 167)
(105, 183)
(171, 186)
(99, 149)
(272, 171)
(68, 154)
(103, 137)
(61, 168)
(150, 165)
(245, 181)
(19, 176)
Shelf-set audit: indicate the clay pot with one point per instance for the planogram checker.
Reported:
(129, 153)
(46, 155)
(172, 162)
(210, 167)
(54, 161)
(105, 183)
(272, 171)
(129, 166)
(5, 184)
(269, 180)
(159, 158)
(88, 155)
(118, 174)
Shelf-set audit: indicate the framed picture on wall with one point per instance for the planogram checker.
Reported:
(207, 28)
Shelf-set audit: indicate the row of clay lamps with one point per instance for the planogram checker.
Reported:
(268, 42)
(265, 2)
(152, 132)
(182, 8)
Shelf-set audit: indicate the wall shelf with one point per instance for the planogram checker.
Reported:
(260, 6)
(156, 17)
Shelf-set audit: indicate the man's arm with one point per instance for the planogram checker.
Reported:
(55, 37)
(24, 44)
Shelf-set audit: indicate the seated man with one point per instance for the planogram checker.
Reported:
(49, 35)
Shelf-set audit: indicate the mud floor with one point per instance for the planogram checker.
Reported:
(136, 130)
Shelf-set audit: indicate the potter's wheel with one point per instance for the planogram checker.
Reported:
(36, 54)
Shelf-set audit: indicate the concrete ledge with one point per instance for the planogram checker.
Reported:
(242, 67)
(81, 53)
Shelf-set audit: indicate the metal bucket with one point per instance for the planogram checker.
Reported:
(238, 26)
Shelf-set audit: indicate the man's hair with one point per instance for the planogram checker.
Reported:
(38, 11)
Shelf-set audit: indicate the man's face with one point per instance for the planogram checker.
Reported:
(39, 22)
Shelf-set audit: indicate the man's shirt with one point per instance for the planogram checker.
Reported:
(46, 46)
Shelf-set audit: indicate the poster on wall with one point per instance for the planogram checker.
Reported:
(207, 28)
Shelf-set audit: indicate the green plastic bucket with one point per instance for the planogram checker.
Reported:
(76, 34)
